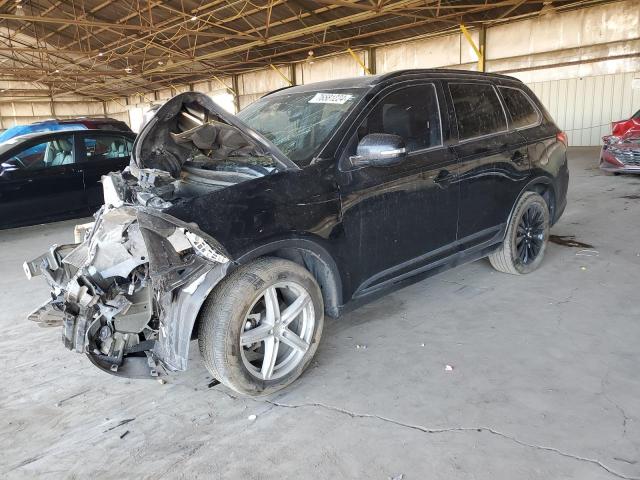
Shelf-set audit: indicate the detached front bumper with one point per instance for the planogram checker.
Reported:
(129, 295)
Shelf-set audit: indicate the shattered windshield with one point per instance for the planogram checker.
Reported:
(300, 123)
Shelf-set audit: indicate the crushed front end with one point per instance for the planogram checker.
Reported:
(129, 294)
(621, 154)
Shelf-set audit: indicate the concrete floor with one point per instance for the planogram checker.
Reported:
(544, 385)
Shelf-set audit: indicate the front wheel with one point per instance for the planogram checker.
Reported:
(260, 327)
(526, 238)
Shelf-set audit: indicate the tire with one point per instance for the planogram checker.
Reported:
(509, 257)
(238, 311)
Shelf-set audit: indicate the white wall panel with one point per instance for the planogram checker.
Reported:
(427, 53)
(331, 68)
(585, 107)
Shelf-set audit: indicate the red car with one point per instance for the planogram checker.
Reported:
(621, 154)
(621, 127)
(621, 150)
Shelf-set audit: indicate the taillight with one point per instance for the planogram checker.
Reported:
(562, 137)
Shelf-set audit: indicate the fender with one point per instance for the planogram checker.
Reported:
(539, 180)
(314, 257)
(175, 336)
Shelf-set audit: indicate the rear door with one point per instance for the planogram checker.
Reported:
(488, 152)
(41, 181)
(525, 119)
(102, 153)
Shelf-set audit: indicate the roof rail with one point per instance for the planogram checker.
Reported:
(450, 71)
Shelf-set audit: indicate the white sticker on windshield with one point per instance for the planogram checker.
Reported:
(336, 98)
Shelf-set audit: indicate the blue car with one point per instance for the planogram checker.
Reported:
(69, 124)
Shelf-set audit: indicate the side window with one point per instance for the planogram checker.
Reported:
(478, 110)
(47, 154)
(103, 147)
(411, 113)
(523, 113)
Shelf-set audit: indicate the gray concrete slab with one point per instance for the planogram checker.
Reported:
(544, 384)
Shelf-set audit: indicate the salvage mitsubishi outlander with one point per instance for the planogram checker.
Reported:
(245, 231)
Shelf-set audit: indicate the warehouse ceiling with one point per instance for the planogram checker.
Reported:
(107, 48)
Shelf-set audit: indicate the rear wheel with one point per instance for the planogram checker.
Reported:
(526, 238)
(260, 327)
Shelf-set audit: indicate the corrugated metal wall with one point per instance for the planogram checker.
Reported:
(585, 107)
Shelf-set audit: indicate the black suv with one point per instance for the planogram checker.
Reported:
(246, 230)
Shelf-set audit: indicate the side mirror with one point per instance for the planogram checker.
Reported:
(379, 150)
(609, 139)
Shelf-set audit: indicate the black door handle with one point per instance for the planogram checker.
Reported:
(444, 176)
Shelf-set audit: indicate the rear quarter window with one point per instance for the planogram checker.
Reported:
(478, 110)
(523, 112)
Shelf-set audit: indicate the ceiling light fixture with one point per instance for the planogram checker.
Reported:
(19, 9)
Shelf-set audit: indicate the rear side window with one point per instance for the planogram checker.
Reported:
(523, 113)
(478, 110)
(104, 147)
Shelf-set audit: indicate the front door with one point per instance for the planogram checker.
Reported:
(41, 182)
(398, 219)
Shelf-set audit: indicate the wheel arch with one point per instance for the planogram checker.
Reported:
(313, 257)
(544, 187)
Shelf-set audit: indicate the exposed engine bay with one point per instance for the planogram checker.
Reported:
(191, 147)
(128, 295)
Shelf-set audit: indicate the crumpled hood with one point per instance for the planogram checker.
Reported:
(191, 121)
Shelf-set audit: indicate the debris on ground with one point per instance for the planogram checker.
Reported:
(397, 477)
(588, 253)
(162, 381)
(583, 268)
(363, 347)
(124, 434)
(119, 424)
(448, 368)
(251, 418)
